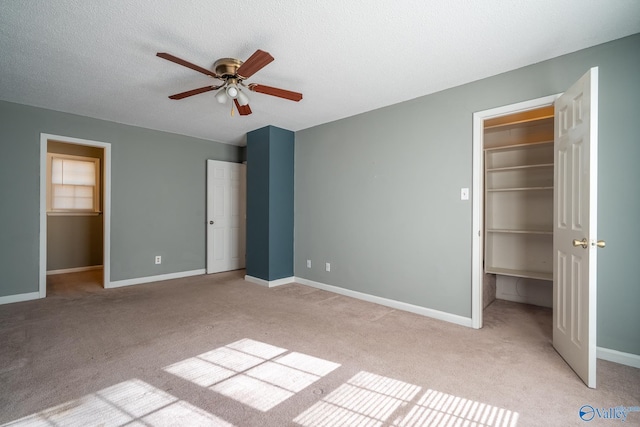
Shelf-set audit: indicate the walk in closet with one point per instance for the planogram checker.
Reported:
(518, 205)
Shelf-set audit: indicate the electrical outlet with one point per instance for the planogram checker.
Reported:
(308, 263)
(158, 259)
(327, 266)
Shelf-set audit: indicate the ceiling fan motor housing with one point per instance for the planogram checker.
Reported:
(227, 67)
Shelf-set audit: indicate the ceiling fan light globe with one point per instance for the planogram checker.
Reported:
(242, 98)
(232, 91)
(221, 96)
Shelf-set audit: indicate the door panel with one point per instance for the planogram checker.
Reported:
(575, 175)
(225, 216)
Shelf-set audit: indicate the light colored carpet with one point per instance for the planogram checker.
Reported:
(216, 350)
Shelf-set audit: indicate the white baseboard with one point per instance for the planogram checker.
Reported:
(159, 278)
(19, 298)
(269, 283)
(616, 356)
(74, 270)
(423, 311)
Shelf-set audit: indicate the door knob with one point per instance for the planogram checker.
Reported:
(211, 222)
(601, 244)
(582, 243)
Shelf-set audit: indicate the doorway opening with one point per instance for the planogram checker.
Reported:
(512, 204)
(75, 214)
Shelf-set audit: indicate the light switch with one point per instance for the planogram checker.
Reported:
(464, 194)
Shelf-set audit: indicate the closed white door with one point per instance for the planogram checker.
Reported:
(575, 226)
(226, 207)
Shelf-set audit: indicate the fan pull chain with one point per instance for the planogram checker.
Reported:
(232, 109)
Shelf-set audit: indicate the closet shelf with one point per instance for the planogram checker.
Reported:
(525, 167)
(512, 147)
(520, 273)
(521, 119)
(519, 231)
(491, 190)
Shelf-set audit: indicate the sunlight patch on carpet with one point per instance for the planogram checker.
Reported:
(370, 400)
(254, 373)
(262, 376)
(132, 402)
(365, 400)
(440, 409)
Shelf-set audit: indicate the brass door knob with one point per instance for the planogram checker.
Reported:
(601, 243)
(582, 243)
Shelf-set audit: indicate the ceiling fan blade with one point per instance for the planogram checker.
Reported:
(194, 92)
(244, 110)
(187, 64)
(255, 63)
(274, 91)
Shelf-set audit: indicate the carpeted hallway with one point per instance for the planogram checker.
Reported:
(216, 350)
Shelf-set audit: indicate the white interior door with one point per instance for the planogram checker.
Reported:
(226, 207)
(575, 226)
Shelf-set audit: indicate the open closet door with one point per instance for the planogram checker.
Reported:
(575, 226)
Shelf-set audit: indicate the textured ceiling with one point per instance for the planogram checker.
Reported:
(97, 58)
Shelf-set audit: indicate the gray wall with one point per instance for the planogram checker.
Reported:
(378, 194)
(75, 241)
(157, 195)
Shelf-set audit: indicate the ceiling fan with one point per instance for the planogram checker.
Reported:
(233, 73)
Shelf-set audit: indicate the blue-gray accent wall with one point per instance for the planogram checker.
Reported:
(257, 262)
(270, 184)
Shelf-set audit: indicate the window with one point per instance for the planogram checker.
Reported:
(73, 184)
